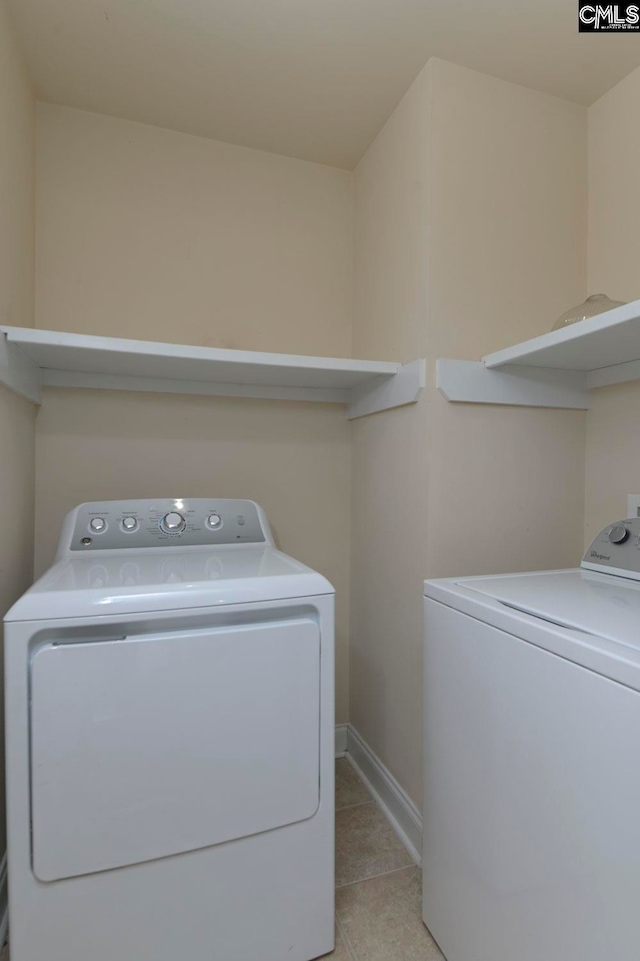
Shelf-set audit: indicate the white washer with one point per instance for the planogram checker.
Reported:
(532, 760)
(170, 742)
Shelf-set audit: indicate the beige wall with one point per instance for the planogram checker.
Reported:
(389, 499)
(614, 191)
(508, 210)
(508, 235)
(470, 235)
(613, 456)
(144, 232)
(391, 233)
(147, 233)
(613, 460)
(16, 307)
(17, 131)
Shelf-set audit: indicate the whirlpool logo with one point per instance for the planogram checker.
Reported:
(601, 18)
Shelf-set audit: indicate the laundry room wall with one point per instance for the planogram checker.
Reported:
(151, 234)
(17, 242)
(508, 241)
(390, 452)
(613, 455)
(473, 199)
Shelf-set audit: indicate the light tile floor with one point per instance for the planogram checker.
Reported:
(378, 900)
(378, 886)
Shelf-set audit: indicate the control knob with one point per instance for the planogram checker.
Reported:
(618, 534)
(214, 521)
(97, 524)
(173, 523)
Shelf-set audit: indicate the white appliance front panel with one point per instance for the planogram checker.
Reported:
(150, 746)
(532, 793)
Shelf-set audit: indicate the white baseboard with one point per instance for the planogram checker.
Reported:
(341, 739)
(401, 812)
(4, 901)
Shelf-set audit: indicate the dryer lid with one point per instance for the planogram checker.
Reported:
(602, 605)
(128, 582)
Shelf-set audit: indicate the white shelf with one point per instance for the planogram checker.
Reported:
(558, 369)
(31, 359)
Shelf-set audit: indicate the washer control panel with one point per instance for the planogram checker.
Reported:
(168, 522)
(616, 549)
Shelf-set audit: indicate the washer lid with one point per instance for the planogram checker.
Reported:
(602, 605)
(128, 582)
(589, 618)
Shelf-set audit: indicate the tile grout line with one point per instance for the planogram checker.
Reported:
(350, 950)
(372, 877)
(358, 804)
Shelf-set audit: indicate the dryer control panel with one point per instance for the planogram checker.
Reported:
(616, 549)
(163, 522)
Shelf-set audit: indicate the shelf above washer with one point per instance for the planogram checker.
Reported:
(558, 369)
(31, 359)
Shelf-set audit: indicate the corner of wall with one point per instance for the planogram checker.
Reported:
(17, 257)
(612, 468)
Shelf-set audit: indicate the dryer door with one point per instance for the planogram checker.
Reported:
(154, 745)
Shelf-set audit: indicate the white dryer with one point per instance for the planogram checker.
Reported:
(532, 760)
(170, 742)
